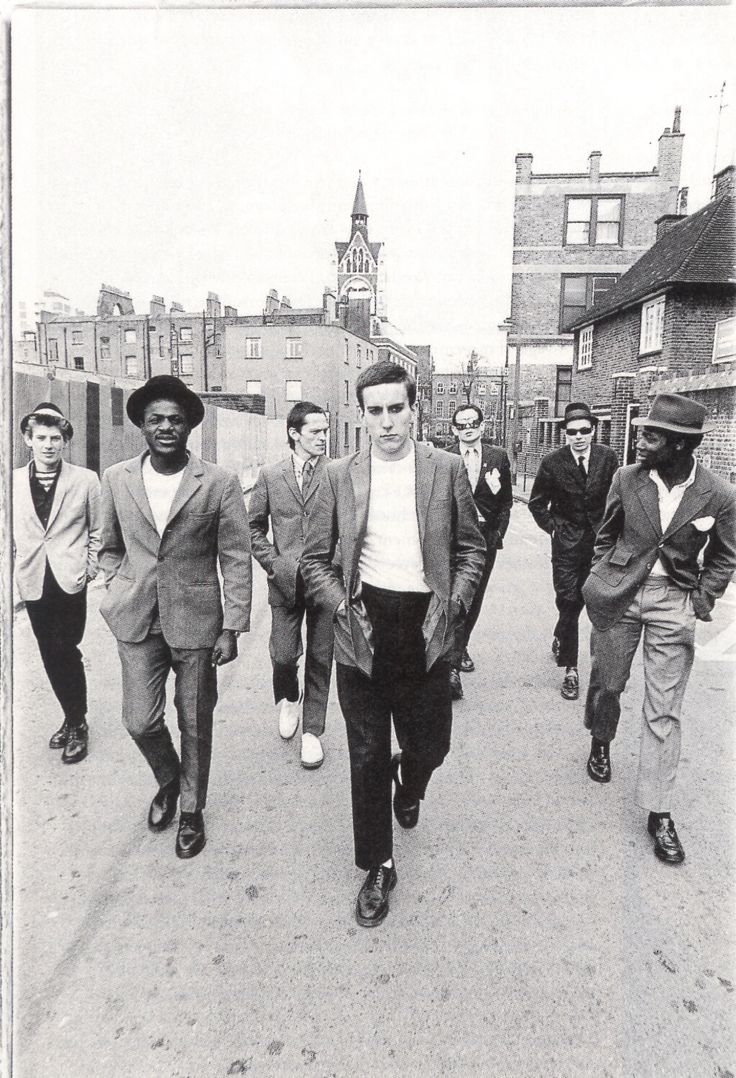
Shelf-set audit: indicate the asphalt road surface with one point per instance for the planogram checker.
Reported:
(532, 931)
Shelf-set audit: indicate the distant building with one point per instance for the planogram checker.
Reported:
(358, 262)
(482, 386)
(425, 372)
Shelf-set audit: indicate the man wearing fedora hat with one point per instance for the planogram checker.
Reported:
(567, 501)
(665, 551)
(56, 533)
(168, 519)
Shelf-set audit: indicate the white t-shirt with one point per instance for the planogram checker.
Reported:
(160, 491)
(669, 503)
(391, 556)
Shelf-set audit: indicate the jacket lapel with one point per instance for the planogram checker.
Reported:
(319, 466)
(572, 465)
(360, 476)
(191, 481)
(290, 479)
(425, 469)
(62, 486)
(693, 500)
(134, 481)
(646, 490)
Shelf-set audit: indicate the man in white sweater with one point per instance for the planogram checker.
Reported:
(411, 556)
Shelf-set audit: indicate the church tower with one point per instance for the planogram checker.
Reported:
(358, 260)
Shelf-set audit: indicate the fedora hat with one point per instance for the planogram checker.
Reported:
(578, 410)
(164, 387)
(670, 411)
(48, 411)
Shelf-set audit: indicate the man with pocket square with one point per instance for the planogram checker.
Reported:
(665, 551)
(489, 473)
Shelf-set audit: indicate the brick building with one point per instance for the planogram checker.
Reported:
(425, 372)
(668, 324)
(483, 386)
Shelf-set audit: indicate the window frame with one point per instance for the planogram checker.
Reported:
(593, 219)
(585, 348)
(731, 356)
(127, 339)
(294, 341)
(188, 331)
(254, 392)
(646, 348)
(589, 279)
(293, 382)
(253, 348)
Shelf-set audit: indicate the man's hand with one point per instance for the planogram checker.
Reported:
(225, 649)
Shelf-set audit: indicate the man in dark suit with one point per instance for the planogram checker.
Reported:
(411, 559)
(489, 473)
(665, 551)
(283, 496)
(168, 521)
(567, 501)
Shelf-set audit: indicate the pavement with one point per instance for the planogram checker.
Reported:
(532, 931)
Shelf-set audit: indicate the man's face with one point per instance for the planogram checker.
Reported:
(467, 427)
(46, 444)
(579, 435)
(388, 417)
(165, 428)
(311, 440)
(653, 449)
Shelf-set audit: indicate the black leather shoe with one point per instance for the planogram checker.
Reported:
(77, 744)
(59, 739)
(667, 845)
(466, 663)
(570, 684)
(456, 685)
(406, 811)
(599, 762)
(372, 905)
(163, 806)
(191, 838)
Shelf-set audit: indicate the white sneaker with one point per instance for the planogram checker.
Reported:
(289, 718)
(312, 754)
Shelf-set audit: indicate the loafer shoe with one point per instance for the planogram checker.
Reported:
(372, 905)
(406, 811)
(570, 685)
(289, 718)
(190, 838)
(312, 754)
(59, 739)
(466, 663)
(667, 845)
(599, 762)
(77, 744)
(456, 685)
(163, 806)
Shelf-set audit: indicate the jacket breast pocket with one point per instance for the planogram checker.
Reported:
(612, 569)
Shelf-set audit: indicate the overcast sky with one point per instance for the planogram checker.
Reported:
(184, 152)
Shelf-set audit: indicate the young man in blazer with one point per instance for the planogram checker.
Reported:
(489, 473)
(567, 501)
(56, 533)
(283, 497)
(168, 521)
(411, 557)
(665, 551)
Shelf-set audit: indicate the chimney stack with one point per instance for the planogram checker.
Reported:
(213, 305)
(724, 182)
(157, 307)
(524, 167)
(594, 166)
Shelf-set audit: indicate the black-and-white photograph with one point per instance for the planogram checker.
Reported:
(370, 495)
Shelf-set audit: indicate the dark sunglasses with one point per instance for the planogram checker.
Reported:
(472, 424)
(578, 430)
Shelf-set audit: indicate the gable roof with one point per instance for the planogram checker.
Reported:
(701, 249)
(341, 248)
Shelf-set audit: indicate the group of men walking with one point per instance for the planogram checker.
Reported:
(385, 555)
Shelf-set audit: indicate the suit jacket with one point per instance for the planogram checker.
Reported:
(698, 549)
(561, 503)
(69, 541)
(208, 523)
(453, 549)
(494, 508)
(276, 497)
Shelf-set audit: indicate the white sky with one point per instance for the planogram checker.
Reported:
(191, 151)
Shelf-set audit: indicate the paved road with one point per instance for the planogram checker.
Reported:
(532, 932)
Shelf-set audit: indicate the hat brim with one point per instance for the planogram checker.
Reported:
(143, 396)
(61, 422)
(674, 428)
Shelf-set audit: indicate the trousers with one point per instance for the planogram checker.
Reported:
(570, 570)
(467, 624)
(285, 648)
(58, 621)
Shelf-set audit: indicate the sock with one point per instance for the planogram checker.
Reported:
(388, 864)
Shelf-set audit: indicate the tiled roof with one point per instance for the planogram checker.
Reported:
(701, 249)
(341, 248)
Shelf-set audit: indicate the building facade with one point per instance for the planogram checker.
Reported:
(482, 386)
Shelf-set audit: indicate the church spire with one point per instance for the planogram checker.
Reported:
(360, 211)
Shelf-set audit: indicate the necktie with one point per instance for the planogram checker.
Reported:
(307, 471)
(471, 464)
(581, 468)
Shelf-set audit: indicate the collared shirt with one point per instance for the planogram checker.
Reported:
(669, 503)
(299, 465)
(472, 458)
(585, 458)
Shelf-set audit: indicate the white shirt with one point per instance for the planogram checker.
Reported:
(472, 459)
(669, 503)
(391, 556)
(160, 491)
(586, 459)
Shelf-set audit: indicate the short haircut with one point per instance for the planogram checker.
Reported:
(385, 373)
(297, 417)
(464, 408)
(46, 420)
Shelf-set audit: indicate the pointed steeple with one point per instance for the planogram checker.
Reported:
(360, 211)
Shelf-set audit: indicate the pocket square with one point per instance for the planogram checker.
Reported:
(493, 479)
(703, 524)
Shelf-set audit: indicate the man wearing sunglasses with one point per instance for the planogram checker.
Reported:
(567, 501)
(489, 473)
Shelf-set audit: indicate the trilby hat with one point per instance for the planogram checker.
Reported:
(670, 411)
(49, 411)
(164, 387)
(578, 410)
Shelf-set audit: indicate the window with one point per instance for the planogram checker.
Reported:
(161, 345)
(53, 346)
(346, 437)
(294, 348)
(185, 334)
(78, 363)
(593, 222)
(76, 336)
(453, 387)
(347, 351)
(440, 387)
(131, 366)
(293, 389)
(439, 408)
(186, 363)
(347, 391)
(652, 326)
(580, 291)
(451, 406)
(563, 389)
(253, 386)
(252, 347)
(104, 347)
(724, 343)
(585, 349)
(482, 389)
(130, 336)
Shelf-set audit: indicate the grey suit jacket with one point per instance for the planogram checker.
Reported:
(453, 549)
(276, 498)
(698, 549)
(208, 523)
